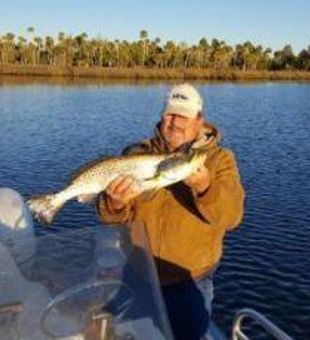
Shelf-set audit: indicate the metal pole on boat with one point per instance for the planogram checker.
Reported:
(261, 320)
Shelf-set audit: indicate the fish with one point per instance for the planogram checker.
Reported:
(151, 172)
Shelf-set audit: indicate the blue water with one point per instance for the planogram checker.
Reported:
(49, 130)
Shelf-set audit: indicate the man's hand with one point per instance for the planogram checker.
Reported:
(200, 180)
(121, 190)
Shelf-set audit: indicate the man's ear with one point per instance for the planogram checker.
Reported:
(200, 119)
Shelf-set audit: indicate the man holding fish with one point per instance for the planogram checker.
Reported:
(185, 221)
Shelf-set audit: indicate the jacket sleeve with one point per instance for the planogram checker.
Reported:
(223, 203)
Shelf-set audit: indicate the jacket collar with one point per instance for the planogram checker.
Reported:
(209, 135)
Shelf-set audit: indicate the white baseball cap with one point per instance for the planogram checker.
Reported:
(183, 100)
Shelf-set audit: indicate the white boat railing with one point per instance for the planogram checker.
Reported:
(269, 327)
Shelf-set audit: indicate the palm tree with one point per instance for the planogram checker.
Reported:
(39, 44)
(8, 48)
(49, 46)
(170, 54)
(60, 49)
(144, 37)
(242, 52)
(116, 45)
(21, 49)
(61, 36)
(283, 59)
(30, 31)
(303, 59)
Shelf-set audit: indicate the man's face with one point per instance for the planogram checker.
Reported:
(178, 130)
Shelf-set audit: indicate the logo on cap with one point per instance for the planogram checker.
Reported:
(180, 96)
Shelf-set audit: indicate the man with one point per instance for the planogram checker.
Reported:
(185, 222)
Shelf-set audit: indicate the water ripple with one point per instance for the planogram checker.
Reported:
(47, 131)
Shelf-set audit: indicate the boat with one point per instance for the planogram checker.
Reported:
(90, 283)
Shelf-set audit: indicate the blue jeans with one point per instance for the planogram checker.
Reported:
(189, 307)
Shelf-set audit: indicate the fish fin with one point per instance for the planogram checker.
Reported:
(150, 183)
(143, 147)
(156, 176)
(44, 208)
(77, 172)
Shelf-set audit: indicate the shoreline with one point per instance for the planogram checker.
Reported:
(140, 73)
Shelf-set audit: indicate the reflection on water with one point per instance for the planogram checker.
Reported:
(47, 130)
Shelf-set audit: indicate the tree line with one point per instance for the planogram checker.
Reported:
(80, 50)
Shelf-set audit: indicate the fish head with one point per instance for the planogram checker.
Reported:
(181, 166)
(197, 159)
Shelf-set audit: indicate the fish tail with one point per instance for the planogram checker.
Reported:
(45, 207)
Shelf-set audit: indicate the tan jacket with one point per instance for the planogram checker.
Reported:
(186, 231)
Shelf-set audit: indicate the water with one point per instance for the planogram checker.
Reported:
(47, 130)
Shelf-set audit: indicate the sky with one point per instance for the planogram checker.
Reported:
(271, 23)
